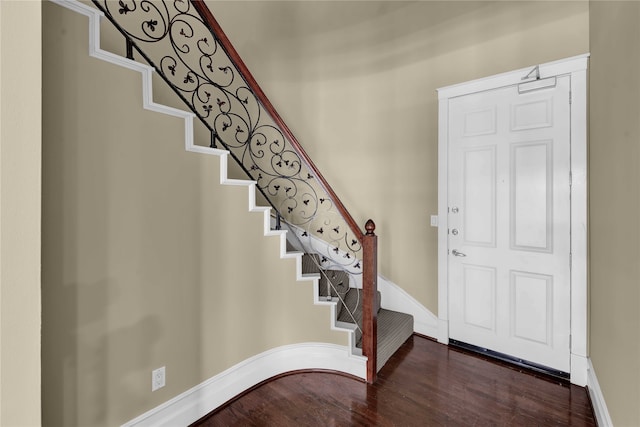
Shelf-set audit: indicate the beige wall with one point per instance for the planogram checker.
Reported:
(20, 149)
(615, 205)
(147, 260)
(356, 82)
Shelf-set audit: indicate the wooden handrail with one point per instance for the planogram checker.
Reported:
(213, 25)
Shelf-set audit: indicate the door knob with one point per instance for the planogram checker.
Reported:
(457, 253)
(454, 231)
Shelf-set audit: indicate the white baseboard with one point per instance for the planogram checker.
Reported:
(195, 403)
(597, 399)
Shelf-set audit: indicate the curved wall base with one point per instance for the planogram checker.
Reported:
(197, 402)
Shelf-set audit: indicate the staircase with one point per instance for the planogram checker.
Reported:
(394, 328)
(188, 49)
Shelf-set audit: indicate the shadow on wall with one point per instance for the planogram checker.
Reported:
(350, 38)
(79, 361)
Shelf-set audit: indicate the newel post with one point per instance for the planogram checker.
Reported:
(370, 291)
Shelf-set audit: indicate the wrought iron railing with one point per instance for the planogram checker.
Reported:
(188, 49)
(332, 289)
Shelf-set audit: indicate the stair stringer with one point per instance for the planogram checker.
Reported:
(328, 356)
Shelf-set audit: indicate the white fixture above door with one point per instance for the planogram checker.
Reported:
(512, 236)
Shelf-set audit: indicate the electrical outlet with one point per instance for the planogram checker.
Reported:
(434, 220)
(157, 378)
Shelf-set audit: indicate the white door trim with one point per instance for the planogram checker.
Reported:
(576, 67)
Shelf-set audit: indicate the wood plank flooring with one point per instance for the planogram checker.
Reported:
(424, 384)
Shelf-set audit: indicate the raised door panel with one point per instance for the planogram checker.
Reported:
(479, 196)
(531, 196)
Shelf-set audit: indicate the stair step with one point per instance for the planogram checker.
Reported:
(310, 263)
(290, 247)
(334, 283)
(394, 328)
(353, 301)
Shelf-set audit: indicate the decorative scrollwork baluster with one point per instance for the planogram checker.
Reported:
(175, 40)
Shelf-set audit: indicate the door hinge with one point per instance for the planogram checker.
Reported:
(570, 179)
(570, 98)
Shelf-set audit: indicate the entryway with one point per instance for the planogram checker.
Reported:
(512, 216)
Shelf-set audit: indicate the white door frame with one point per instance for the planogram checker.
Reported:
(576, 67)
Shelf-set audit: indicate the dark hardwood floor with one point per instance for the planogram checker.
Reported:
(423, 384)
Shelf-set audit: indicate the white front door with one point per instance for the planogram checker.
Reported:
(509, 221)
